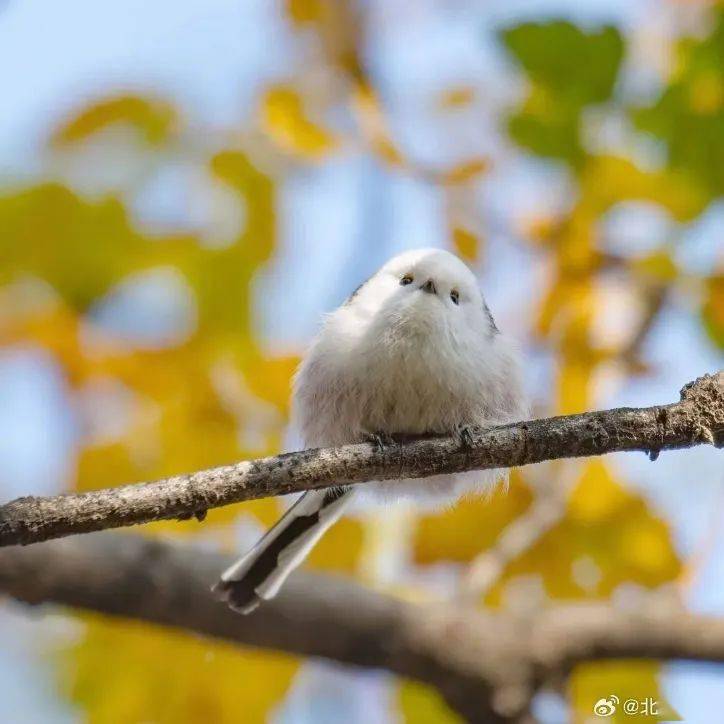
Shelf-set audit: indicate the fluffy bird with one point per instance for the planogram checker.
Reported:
(414, 350)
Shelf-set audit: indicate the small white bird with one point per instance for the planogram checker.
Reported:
(413, 350)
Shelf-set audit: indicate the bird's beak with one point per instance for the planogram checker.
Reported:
(429, 287)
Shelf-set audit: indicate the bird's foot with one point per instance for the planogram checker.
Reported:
(465, 436)
(381, 440)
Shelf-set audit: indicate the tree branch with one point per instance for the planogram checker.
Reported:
(487, 665)
(169, 584)
(697, 418)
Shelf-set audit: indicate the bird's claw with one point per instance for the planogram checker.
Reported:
(465, 436)
(380, 440)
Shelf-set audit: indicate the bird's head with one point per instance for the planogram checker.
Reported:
(426, 291)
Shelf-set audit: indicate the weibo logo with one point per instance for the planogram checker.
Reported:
(606, 707)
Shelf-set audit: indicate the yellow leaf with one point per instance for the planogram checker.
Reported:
(457, 97)
(713, 309)
(271, 378)
(610, 179)
(56, 330)
(645, 545)
(471, 526)
(153, 118)
(285, 120)
(421, 704)
(574, 386)
(466, 244)
(657, 267)
(597, 497)
(540, 229)
(627, 681)
(466, 172)
(212, 681)
(605, 181)
(305, 12)
(340, 548)
(386, 150)
(598, 534)
(373, 125)
(337, 26)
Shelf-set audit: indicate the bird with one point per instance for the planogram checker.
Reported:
(414, 350)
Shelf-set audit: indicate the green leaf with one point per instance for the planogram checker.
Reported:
(551, 133)
(568, 69)
(576, 65)
(81, 248)
(712, 312)
(689, 115)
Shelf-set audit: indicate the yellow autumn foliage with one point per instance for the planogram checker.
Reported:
(220, 393)
(285, 120)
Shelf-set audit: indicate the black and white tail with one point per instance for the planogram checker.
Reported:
(259, 575)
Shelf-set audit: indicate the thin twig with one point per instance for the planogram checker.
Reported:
(698, 418)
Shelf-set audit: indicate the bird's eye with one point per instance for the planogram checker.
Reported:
(455, 297)
(407, 279)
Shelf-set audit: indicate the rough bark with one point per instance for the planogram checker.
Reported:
(697, 418)
(487, 665)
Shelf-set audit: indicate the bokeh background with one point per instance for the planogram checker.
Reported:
(187, 186)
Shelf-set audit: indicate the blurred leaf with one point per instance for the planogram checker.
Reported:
(423, 705)
(574, 378)
(547, 128)
(340, 548)
(271, 379)
(169, 413)
(713, 310)
(373, 125)
(473, 525)
(466, 243)
(689, 115)
(222, 277)
(597, 497)
(83, 248)
(608, 529)
(610, 179)
(467, 171)
(79, 247)
(572, 63)
(569, 69)
(211, 399)
(606, 526)
(658, 267)
(338, 27)
(567, 309)
(305, 12)
(285, 120)
(627, 680)
(155, 120)
(56, 330)
(164, 676)
(457, 97)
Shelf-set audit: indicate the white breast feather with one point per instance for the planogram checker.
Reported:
(381, 366)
